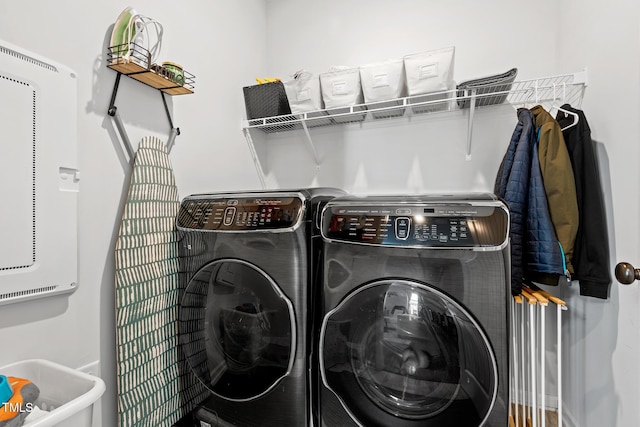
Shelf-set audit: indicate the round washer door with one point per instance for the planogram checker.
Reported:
(399, 352)
(237, 330)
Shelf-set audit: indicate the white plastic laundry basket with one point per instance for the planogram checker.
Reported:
(66, 394)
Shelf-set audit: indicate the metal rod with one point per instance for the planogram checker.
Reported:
(174, 130)
(532, 354)
(559, 361)
(123, 135)
(310, 143)
(523, 357)
(542, 364)
(166, 109)
(512, 365)
(172, 139)
(472, 111)
(514, 329)
(112, 107)
(254, 155)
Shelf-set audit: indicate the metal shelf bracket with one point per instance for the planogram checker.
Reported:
(472, 112)
(310, 142)
(126, 142)
(254, 156)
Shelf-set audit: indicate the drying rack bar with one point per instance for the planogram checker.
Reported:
(527, 378)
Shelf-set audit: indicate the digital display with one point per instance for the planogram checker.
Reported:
(232, 214)
(431, 227)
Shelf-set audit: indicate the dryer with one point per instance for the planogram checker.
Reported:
(248, 261)
(415, 312)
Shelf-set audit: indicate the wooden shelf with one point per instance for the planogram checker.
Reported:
(151, 78)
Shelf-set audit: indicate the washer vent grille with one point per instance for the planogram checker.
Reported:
(26, 58)
(28, 292)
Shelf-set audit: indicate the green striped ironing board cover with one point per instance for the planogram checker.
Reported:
(155, 387)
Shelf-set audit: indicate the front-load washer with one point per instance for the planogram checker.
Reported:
(415, 312)
(248, 261)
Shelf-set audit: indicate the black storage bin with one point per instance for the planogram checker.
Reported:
(266, 100)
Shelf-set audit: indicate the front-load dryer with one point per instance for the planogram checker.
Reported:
(248, 262)
(415, 302)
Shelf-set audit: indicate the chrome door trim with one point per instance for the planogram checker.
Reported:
(292, 319)
(424, 287)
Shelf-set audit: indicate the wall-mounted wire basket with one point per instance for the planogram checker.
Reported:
(134, 61)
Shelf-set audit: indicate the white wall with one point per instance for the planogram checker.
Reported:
(603, 341)
(387, 157)
(545, 38)
(222, 44)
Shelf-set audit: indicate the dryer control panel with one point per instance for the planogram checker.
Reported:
(240, 213)
(446, 226)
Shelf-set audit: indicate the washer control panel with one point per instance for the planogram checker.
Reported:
(446, 226)
(240, 213)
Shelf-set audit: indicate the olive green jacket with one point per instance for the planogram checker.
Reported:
(559, 184)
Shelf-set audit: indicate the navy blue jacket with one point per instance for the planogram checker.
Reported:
(534, 246)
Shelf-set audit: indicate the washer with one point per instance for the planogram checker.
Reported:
(248, 261)
(415, 312)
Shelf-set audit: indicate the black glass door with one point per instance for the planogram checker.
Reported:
(402, 350)
(237, 329)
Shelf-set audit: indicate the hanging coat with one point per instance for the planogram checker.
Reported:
(534, 246)
(559, 185)
(591, 252)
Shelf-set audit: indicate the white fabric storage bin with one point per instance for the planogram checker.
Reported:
(303, 92)
(66, 395)
(429, 72)
(384, 81)
(342, 88)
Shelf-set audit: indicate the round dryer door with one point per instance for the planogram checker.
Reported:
(237, 330)
(399, 352)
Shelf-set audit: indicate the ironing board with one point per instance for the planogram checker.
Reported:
(155, 387)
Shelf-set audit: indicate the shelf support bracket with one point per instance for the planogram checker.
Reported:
(174, 130)
(472, 112)
(310, 141)
(254, 156)
(113, 112)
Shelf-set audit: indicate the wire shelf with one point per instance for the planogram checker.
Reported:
(546, 91)
(134, 61)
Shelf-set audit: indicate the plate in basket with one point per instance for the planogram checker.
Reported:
(123, 33)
